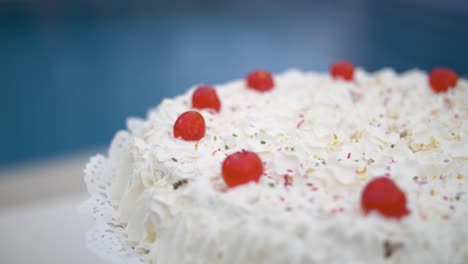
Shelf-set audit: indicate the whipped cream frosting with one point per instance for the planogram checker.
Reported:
(321, 140)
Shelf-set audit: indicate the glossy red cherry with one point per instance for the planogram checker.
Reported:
(383, 195)
(190, 126)
(242, 167)
(442, 79)
(260, 80)
(205, 97)
(342, 70)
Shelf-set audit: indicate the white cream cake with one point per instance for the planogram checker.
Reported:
(321, 141)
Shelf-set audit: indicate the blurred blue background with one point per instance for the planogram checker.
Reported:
(72, 71)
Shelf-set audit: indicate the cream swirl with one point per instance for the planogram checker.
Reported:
(326, 138)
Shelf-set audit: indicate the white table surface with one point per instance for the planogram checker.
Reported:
(39, 222)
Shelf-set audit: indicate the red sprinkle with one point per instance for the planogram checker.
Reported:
(260, 80)
(300, 123)
(242, 167)
(190, 126)
(205, 97)
(342, 70)
(441, 79)
(287, 180)
(349, 155)
(384, 196)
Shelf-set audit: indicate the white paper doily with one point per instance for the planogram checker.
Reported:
(106, 238)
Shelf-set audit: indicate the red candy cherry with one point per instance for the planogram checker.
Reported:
(442, 79)
(242, 167)
(205, 96)
(383, 195)
(342, 70)
(190, 126)
(260, 80)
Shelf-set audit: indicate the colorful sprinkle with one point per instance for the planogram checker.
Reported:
(361, 172)
(335, 139)
(288, 180)
(179, 183)
(422, 183)
(300, 123)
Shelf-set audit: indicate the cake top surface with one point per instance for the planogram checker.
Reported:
(320, 140)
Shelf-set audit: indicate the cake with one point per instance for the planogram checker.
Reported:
(298, 168)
